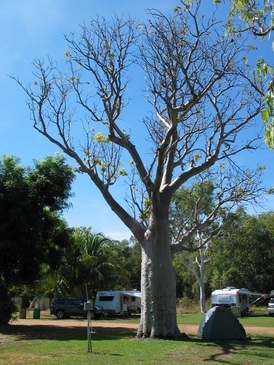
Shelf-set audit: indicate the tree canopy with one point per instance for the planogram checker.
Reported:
(31, 229)
(243, 257)
(88, 263)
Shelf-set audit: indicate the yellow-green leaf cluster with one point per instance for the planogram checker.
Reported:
(122, 172)
(99, 138)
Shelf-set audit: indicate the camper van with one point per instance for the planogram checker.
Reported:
(231, 297)
(235, 299)
(122, 302)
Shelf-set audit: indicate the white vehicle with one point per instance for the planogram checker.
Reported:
(271, 307)
(122, 302)
(231, 297)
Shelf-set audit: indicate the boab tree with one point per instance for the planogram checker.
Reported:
(201, 107)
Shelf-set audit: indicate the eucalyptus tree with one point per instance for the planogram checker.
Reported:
(201, 101)
(195, 263)
(199, 199)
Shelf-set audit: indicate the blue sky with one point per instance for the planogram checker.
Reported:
(33, 29)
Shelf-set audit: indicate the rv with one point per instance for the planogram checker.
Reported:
(236, 299)
(231, 297)
(122, 302)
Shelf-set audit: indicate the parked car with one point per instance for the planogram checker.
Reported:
(271, 307)
(66, 307)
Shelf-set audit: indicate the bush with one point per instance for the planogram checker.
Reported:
(7, 306)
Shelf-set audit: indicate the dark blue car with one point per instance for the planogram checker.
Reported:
(67, 307)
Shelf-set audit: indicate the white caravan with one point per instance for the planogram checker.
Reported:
(236, 299)
(122, 302)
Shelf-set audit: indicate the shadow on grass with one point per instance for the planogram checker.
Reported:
(256, 348)
(50, 332)
(9, 333)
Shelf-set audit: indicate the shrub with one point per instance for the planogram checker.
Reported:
(7, 306)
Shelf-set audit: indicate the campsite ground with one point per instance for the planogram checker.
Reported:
(119, 326)
(51, 341)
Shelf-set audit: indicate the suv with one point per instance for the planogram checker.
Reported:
(271, 307)
(66, 307)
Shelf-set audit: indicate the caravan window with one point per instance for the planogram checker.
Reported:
(106, 298)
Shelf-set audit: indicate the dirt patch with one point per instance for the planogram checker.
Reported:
(71, 323)
(25, 329)
(118, 326)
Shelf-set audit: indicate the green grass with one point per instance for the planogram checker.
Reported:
(255, 319)
(259, 319)
(47, 345)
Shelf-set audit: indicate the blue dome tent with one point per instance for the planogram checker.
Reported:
(220, 324)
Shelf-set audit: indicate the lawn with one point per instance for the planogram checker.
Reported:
(258, 318)
(47, 341)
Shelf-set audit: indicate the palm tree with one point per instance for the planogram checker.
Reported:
(96, 265)
(88, 261)
(91, 264)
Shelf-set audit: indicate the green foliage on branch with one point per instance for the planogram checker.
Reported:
(256, 18)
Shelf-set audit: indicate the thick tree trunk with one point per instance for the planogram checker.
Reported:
(158, 308)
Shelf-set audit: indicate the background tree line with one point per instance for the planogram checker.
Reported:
(41, 255)
(242, 257)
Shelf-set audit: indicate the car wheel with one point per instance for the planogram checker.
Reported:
(60, 314)
(92, 314)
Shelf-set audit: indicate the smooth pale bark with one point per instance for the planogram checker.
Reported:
(202, 297)
(202, 281)
(200, 278)
(158, 312)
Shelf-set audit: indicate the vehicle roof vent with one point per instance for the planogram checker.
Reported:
(229, 288)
